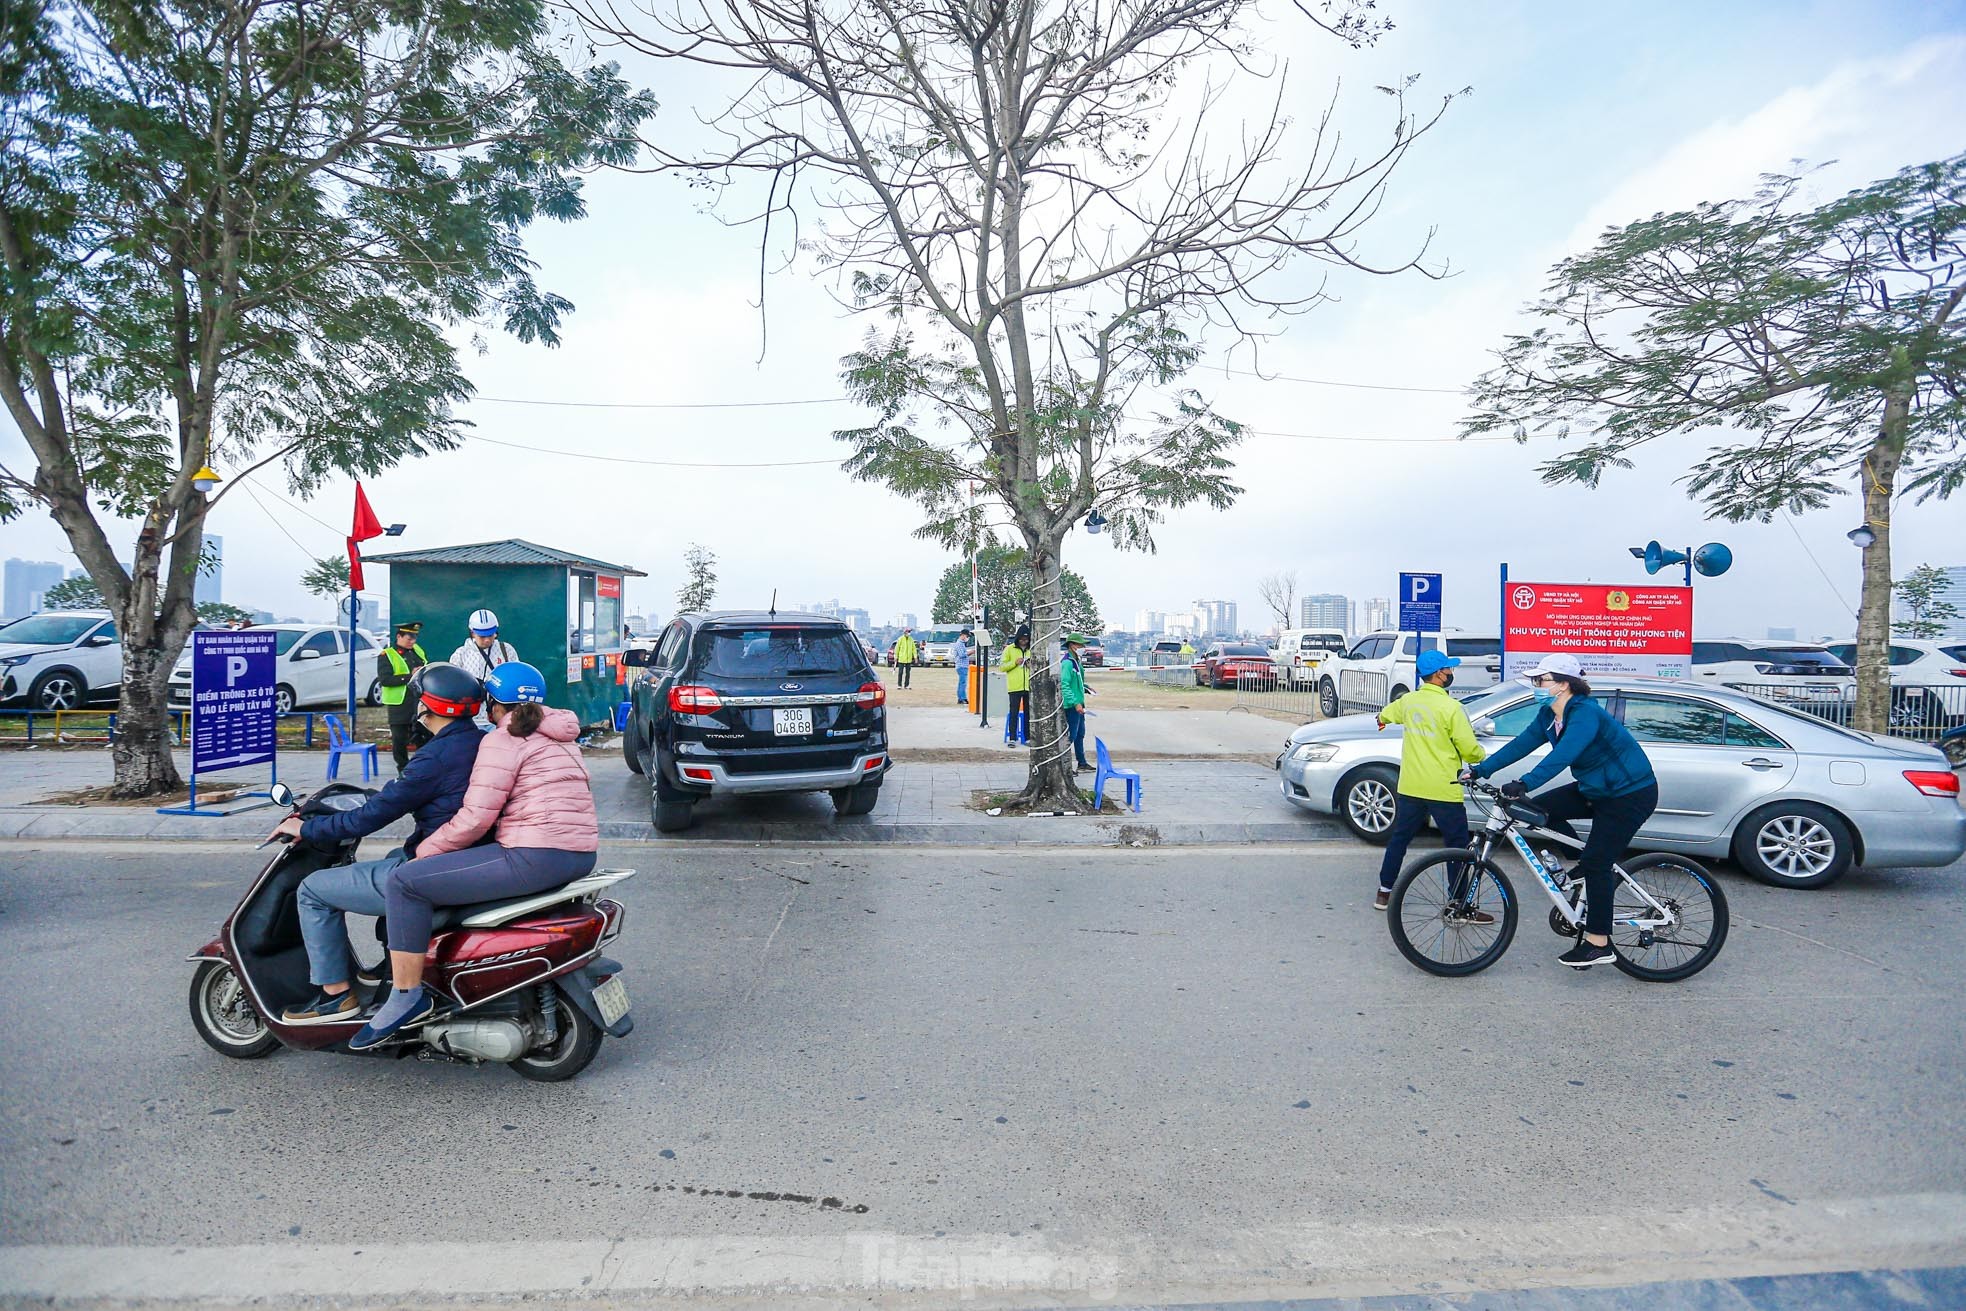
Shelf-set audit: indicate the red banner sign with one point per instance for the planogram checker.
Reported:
(1611, 630)
(606, 586)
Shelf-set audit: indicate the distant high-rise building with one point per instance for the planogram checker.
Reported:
(210, 585)
(1378, 614)
(27, 581)
(1781, 634)
(1215, 618)
(1149, 621)
(858, 620)
(1956, 593)
(1325, 610)
(905, 619)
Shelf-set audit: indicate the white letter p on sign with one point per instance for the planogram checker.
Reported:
(235, 669)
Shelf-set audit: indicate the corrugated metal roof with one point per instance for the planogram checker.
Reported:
(512, 550)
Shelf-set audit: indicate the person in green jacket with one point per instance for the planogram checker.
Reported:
(1439, 741)
(1071, 692)
(393, 667)
(906, 649)
(1017, 682)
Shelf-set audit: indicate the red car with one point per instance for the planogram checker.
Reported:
(1223, 664)
(1092, 654)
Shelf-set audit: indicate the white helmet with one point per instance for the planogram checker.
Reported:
(483, 623)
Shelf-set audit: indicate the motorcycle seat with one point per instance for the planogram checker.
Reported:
(489, 914)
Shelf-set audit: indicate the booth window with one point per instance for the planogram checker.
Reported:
(593, 619)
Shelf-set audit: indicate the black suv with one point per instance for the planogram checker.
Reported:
(738, 701)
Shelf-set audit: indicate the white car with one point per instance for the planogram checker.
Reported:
(1300, 652)
(1379, 669)
(1799, 674)
(938, 647)
(60, 659)
(311, 661)
(1928, 681)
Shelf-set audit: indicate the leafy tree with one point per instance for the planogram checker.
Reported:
(1828, 339)
(1279, 592)
(1003, 581)
(72, 594)
(1922, 593)
(699, 589)
(221, 614)
(327, 578)
(242, 234)
(1022, 189)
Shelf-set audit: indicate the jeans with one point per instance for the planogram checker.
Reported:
(1017, 718)
(1615, 821)
(327, 897)
(962, 685)
(901, 671)
(1075, 729)
(460, 878)
(1409, 814)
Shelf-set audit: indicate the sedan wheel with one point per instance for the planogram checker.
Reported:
(283, 700)
(57, 692)
(1795, 846)
(1366, 802)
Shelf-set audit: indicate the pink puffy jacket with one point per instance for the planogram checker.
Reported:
(534, 788)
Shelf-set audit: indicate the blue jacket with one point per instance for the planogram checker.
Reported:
(1604, 758)
(432, 788)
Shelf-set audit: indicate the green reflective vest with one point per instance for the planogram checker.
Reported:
(393, 696)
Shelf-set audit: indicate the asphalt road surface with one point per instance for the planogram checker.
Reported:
(1057, 1076)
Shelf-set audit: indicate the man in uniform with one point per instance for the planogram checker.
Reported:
(393, 669)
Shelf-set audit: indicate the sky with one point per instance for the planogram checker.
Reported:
(1580, 117)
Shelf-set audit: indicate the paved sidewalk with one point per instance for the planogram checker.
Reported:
(1187, 802)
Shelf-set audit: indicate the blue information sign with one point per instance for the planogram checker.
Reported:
(1419, 603)
(232, 681)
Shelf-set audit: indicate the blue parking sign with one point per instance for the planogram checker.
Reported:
(232, 686)
(1419, 603)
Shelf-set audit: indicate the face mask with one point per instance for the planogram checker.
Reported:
(1447, 682)
(1544, 695)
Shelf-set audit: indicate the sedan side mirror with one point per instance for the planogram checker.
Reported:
(1485, 727)
(100, 640)
(636, 658)
(307, 655)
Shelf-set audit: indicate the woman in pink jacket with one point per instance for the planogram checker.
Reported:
(531, 784)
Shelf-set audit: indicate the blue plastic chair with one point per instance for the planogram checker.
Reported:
(340, 744)
(1108, 770)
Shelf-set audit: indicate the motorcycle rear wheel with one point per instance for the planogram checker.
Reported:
(224, 1015)
(579, 1041)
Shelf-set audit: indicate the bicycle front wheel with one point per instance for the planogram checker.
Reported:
(1679, 949)
(1452, 914)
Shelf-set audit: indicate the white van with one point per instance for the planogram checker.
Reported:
(1300, 652)
(1379, 669)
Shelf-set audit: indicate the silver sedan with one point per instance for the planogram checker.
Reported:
(1795, 800)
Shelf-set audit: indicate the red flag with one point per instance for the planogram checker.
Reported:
(366, 526)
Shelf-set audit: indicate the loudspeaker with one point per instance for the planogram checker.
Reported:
(1712, 560)
(1657, 558)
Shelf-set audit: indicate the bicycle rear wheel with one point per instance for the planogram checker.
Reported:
(1435, 913)
(1678, 950)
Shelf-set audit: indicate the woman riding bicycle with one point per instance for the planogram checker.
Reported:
(1615, 788)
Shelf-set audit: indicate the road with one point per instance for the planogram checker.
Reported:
(1096, 1073)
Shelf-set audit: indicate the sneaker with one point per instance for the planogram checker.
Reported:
(1383, 900)
(368, 978)
(341, 1008)
(1584, 955)
(1470, 915)
(369, 1036)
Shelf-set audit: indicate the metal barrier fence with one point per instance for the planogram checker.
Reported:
(1923, 714)
(1269, 692)
(109, 734)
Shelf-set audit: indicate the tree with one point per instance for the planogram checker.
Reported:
(1003, 581)
(1029, 192)
(327, 578)
(1827, 339)
(1922, 593)
(699, 588)
(219, 614)
(240, 233)
(1279, 592)
(72, 594)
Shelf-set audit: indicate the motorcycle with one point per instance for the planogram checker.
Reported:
(520, 982)
(1953, 743)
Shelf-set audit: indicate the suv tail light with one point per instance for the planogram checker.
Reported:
(871, 695)
(691, 700)
(1934, 782)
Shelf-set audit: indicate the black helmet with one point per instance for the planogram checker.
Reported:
(444, 689)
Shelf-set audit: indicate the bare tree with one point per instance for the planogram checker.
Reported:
(1279, 592)
(1032, 193)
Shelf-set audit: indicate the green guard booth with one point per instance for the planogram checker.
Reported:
(560, 611)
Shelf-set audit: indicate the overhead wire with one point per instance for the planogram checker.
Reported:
(1834, 590)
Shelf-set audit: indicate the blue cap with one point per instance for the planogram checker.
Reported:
(1432, 662)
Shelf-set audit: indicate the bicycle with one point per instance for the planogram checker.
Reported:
(1454, 913)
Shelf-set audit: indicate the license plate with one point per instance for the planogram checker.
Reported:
(792, 723)
(612, 998)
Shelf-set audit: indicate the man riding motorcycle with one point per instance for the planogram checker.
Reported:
(431, 788)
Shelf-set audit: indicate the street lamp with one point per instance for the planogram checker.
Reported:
(1094, 522)
(1861, 536)
(206, 478)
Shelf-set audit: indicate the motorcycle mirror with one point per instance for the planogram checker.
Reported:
(282, 794)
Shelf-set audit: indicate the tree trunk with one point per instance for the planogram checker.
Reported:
(1049, 785)
(142, 752)
(1880, 475)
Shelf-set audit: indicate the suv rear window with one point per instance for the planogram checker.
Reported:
(1243, 649)
(1812, 657)
(778, 652)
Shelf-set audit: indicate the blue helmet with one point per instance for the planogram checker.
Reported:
(515, 682)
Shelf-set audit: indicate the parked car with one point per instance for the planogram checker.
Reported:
(60, 659)
(1928, 681)
(938, 646)
(1379, 669)
(745, 702)
(1224, 663)
(1799, 674)
(311, 663)
(1794, 800)
(1301, 652)
(1166, 651)
(1092, 654)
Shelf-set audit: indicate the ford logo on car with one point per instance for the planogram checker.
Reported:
(790, 687)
